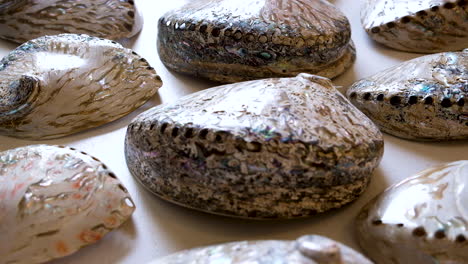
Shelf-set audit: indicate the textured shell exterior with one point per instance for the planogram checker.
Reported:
(23, 20)
(420, 220)
(54, 201)
(425, 26)
(238, 40)
(272, 148)
(54, 86)
(422, 99)
(311, 249)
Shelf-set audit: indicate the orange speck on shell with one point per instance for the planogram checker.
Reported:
(77, 196)
(76, 185)
(111, 221)
(89, 236)
(61, 248)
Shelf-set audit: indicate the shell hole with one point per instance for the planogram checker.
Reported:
(391, 24)
(421, 13)
(188, 133)
(152, 126)
(449, 5)
(400, 225)
(112, 175)
(104, 166)
(446, 102)
(419, 231)
(84, 153)
(413, 100)
(215, 32)
(428, 100)
(175, 132)
(121, 187)
(375, 30)
(377, 222)
(96, 159)
(129, 202)
(203, 28)
(163, 128)
(218, 139)
(203, 133)
(434, 8)
(460, 238)
(380, 97)
(405, 20)
(367, 96)
(73, 148)
(353, 95)
(150, 68)
(462, 3)
(461, 102)
(143, 60)
(131, 2)
(395, 100)
(439, 234)
(131, 14)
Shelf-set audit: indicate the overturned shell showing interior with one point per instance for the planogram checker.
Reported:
(231, 41)
(417, 25)
(54, 86)
(422, 99)
(273, 148)
(311, 249)
(22, 20)
(421, 220)
(55, 200)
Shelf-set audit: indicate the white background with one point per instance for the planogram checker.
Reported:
(158, 228)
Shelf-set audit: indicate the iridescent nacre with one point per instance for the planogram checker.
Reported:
(272, 148)
(426, 26)
(55, 200)
(54, 86)
(22, 20)
(423, 219)
(238, 40)
(311, 249)
(422, 99)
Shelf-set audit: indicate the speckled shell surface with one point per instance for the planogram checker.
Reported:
(55, 200)
(422, 99)
(238, 40)
(425, 26)
(421, 220)
(23, 20)
(311, 249)
(273, 148)
(54, 86)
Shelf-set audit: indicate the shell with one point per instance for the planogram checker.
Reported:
(311, 249)
(231, 41)
(273, 148)
(55, 200)
(417, 25)
(422, 99)
(420, 220)
(54, 86)
(23, 20)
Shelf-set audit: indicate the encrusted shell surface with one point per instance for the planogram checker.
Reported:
(272, 148)
(54, 86)
(22, 20)
(55, 200)
(238, 40)
(421, 220)
(311, 249)
(423, 99)
(417, 25)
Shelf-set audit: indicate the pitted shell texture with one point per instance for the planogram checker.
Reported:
(54, 86)
(238, 40)
(23, 20)
(310, 249)
(420, 220)
(417, 25)
(55, 200)
(421, 99)
(273, 148)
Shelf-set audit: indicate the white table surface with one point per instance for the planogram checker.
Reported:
(158, 228)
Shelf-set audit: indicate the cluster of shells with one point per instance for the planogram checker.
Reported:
(279, 142)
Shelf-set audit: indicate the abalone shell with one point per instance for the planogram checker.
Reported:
(230, 41)
(311, 249)
(55, 200)
(421, 99)
(272, 148)
(54, 86)
(417, 25)
(420, 220)
(23, 20)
